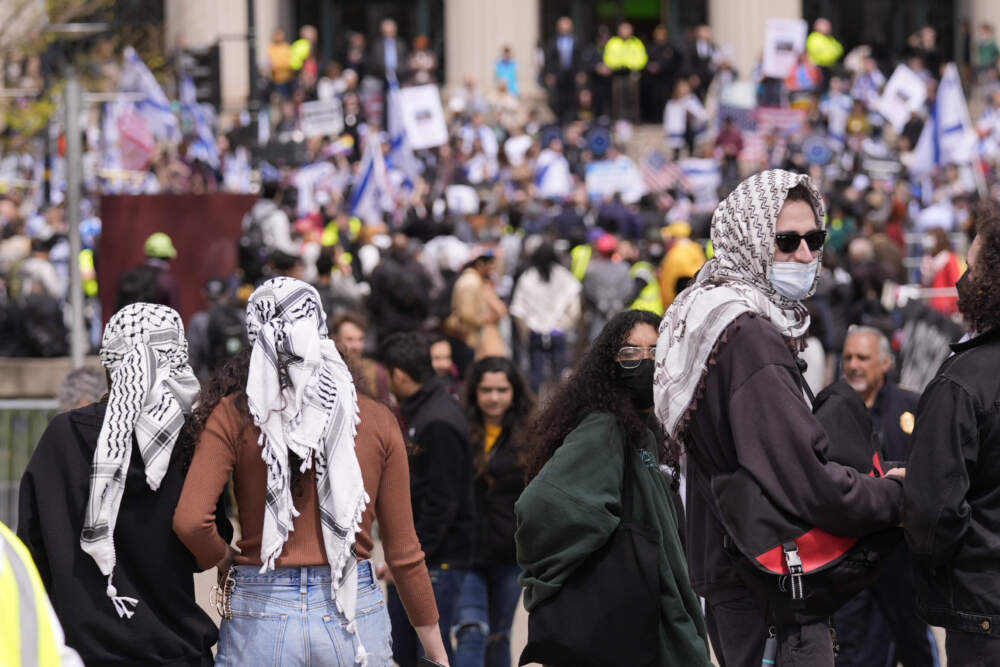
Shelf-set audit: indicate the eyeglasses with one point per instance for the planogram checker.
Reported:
(789, 241)
(629, 356)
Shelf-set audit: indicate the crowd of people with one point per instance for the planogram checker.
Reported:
(382, 369)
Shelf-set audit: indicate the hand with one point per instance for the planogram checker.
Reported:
(224, 565)
(382, 573)
(897, 472)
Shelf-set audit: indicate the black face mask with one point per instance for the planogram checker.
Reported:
(638, 382)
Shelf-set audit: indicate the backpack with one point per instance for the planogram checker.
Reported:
(138, 285)
(226, 334)
(43, 331)
(800, 573)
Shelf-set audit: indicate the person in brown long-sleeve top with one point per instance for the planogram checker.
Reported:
(224, 440)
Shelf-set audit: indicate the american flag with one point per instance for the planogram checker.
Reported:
(661, 174)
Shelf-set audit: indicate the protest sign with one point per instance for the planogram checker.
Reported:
(904, 93)
(423, 117)
(784, 40)
(322, 118)
(606, 177)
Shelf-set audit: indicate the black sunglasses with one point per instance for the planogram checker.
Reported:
(789, 241)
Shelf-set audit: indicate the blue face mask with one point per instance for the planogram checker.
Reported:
(793, 280)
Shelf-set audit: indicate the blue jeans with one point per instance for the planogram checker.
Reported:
(486, 609)
(543, 351)
(288, 617)
(447, 583)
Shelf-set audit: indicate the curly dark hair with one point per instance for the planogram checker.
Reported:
(231, 379)
(979, 293)
(593, 387)
(515, 420)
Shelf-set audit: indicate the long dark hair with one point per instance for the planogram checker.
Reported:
(231, 379)
(544, 258)
(514, 420)
(593, 387)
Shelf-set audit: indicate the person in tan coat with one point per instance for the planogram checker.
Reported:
(476, 310)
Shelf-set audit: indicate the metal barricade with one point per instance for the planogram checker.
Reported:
(22, 422)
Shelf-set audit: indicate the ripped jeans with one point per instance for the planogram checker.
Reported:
(486, 607)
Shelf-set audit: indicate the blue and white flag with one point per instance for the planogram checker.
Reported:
(401, 155)
(203, 147)
(948, 136)
(372, 195)
(135, 77)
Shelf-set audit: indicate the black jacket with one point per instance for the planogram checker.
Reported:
(168, 628)
(952, 491)
(893, 415)
(440, 475)
(752, 415)
(497, 489)
(400, 294)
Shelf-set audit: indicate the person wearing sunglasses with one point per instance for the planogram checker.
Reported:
(576, 462)
(730, 392)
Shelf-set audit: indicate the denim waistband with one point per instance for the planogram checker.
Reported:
(297, 576)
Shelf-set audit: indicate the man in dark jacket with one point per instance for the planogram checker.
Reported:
(952, 507)
(884, 614)
(441, 489)
(562, 68)
(400, 291)
(742, 322)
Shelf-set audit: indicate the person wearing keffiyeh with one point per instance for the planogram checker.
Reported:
(728, 388)
(98, 497)
(282, 418)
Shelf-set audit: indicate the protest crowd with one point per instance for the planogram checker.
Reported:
(449, 300)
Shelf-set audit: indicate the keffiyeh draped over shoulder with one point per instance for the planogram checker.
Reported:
(314, 414)
(734, 282)
(152, 388)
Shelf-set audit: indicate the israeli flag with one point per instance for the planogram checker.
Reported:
(948, 136)
(400, 155)
(203, 147)
(135, 77)
(372, 196)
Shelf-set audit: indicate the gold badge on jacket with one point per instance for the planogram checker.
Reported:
(906, 422)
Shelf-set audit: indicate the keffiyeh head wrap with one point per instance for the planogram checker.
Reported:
(152, 388)
(315, 417)
(734, 282)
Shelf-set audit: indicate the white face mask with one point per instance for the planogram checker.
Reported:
(793, 280)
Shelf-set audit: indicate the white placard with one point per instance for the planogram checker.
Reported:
(322, 118)
(423, 117)
(784, 40)
(904, 93)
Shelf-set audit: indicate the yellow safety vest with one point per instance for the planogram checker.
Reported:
(27, 635)
(580, 260)
(823, 50)
(625, 53)
(88, 272)
(649, 298)
(331, 233)
(300, 51)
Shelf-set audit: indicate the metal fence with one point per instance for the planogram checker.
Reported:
(22, 422)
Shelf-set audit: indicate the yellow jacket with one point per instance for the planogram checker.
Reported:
(625, 53)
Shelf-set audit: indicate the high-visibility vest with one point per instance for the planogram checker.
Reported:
(649, 298)
(625, 53)
(27, 625)
(88, 272)
(823, 50)
(300, 52)
(331, 233)
(580, 260)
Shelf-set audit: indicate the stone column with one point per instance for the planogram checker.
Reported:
(978, 12)
(739, 25)
(475, 31)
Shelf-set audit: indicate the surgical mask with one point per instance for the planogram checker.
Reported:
(793, 280)
(638, 382)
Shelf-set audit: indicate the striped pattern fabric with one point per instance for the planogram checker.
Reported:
(152, 388)
(314, 416)
(734, 282)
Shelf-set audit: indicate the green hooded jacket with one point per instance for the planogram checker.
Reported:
(572, 508)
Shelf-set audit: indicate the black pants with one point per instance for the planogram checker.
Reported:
(968, 650)
(884, 612)
(738, 630)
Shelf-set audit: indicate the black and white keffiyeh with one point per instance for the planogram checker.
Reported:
(315, 417)
(735, 281)
(152, 389)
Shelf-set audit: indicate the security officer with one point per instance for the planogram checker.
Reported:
(886, 611)
(30, 633)
(625, 55)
